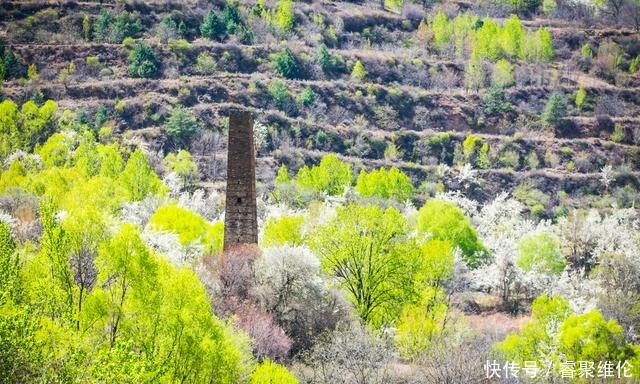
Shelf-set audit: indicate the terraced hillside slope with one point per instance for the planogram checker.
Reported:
(425, 101)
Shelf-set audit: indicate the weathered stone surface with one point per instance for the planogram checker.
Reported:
(241, 223)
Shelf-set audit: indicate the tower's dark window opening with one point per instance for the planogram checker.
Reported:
(239, 200)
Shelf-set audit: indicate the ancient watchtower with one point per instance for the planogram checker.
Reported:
(241, 223)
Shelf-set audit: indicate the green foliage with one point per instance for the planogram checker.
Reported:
(495, 101)
(285, 18)
(269, 372)
(212, 27)
(328, 62)
(525, 5)
(283, 175)
(385, 183)
(618, 133)
(205, 64)
(549, 6)
(556, 335)
(283, 230)
(470, 147)
(540, 253)
(11, 65)
(444, 221)
(142, 61)
(279, 93)
(25, 127)
(475, 76)
(182, 165)
(114, 30)
(394, 5)
(581, 97)
(307, 96)
(181, 125)
(555, 110)
(419, 323)
(32, 72)
(484, 157)
(189, 226)
(503, 74)
(286, 64)
(138, 178)
(366, 249)
(358, 72)
(330, 176)
(586, 52)
(468, 35)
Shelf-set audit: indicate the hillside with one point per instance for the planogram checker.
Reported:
(442, 186)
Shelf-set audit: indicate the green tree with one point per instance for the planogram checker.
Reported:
(555, 335)
(287, 64)
(328, 62)
(86, 27)
(269, 372)
(385, 184)
(189, 226)
(283, 230)
(138, 178)
(283, 175)
(495, 101)
(503, 74)
(285, 18)
(540, 253)
(366, 249)
(474, 75)
(11, 65)
(142, 61)
(445, 221)
(182, 165)
(212, 27)
(330, 176)
(32, 72)
(358, 72)
(586, 52)
(555, 110)
(581, 97)
(181, 125)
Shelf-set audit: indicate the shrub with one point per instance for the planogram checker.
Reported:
(212, 27)
(581, 97)
(269, 372)
(181, 125)
(285, 18)
(555, 110)
(307, 96)
(503, 73)
(205, 64)
(142, 61)
(495, 101)
(358, 72)
(286, 64)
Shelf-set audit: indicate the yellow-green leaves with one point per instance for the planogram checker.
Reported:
(269, 372)
(331, 176)
(138, 178)
(444, 221)
(189, 226)
(283, 230)
(540, 252)
(385, 183)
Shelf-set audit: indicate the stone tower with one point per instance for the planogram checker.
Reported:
(241, 223)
